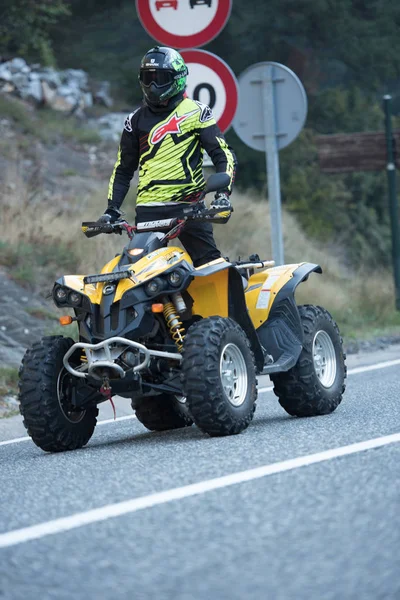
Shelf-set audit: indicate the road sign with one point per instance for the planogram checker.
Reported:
(290, 101)
(212, 82)
(183, 23)
(271, 113)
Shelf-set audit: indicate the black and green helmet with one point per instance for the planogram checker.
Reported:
(162, 75)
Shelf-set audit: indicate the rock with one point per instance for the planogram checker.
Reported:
(65, 91)
(69, 91)
(49, 93)
(12, 401)
(77, 77)
(21, 81)
(102, 95)
(87, 100)
(5, 72)
(62, 104)
(109, 127)
(34, 91)
(16, 65)
(7, 87)
(50, 76)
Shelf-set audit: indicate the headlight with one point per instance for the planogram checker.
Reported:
(154, 286)
(175, 278)
(61, 294)
(74, 298)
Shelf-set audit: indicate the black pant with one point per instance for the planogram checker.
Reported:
(197, 238)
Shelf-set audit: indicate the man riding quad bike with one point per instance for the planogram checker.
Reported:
(183, 343)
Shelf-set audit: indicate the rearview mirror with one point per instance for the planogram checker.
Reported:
(217, 181)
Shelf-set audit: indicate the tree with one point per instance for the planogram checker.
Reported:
(25, 27)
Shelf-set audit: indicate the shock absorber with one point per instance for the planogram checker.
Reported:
(175, 326)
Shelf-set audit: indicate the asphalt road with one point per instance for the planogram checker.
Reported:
(310, 511)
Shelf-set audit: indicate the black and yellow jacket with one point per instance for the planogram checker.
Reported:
(168, 148)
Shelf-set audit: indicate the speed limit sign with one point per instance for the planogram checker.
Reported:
(212, 82)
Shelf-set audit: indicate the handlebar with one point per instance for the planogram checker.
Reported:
(197, 212)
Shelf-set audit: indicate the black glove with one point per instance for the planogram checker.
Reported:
(110, 216)
(221, 202)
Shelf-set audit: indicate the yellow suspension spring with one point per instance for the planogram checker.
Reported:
(83, 357)
(174, 324)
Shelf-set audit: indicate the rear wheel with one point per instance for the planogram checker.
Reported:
(46, 395)
(163, 412)
(315, 385)
(219, 377)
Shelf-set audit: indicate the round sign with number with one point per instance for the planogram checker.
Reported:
(183, 23)
(212, 82)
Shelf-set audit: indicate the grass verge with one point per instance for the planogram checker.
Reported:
(8, 387)
(42, 241)
(45, 124)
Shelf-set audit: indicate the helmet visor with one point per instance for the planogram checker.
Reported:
(157, 76)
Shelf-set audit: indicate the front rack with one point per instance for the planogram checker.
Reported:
(104, 354)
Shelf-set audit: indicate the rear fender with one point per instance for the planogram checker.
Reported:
(281, 335)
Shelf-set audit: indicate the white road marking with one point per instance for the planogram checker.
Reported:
(35, 532)
(15, 441)
(355, 371)
(103, 422)
(382, 365)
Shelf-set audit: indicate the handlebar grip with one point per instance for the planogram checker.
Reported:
(91, 229)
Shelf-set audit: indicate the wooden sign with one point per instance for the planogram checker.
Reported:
(348, 152)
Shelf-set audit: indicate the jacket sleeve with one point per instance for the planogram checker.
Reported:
(126, 165)
(216, 146)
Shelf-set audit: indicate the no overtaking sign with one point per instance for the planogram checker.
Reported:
(183, 23)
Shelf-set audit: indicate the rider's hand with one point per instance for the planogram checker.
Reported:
(222, 203)
(110, 216)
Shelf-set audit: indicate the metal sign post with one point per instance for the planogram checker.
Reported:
(272, 161)
(271, 113)
(393, 205)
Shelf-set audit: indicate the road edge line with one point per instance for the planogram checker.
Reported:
(109, 511)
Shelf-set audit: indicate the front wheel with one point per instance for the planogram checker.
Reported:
(315, 385)
(219, 378)
(46, 395)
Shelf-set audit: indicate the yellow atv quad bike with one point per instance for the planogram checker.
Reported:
(184, 344)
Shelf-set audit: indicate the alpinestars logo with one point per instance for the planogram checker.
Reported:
(171, 126)
(128, 121)
(206, 113)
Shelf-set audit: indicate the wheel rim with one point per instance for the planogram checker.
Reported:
(324, 358)
(64, 397)
(233, 374)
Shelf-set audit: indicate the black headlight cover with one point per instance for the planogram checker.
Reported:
(155, 286)
(175, 277)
